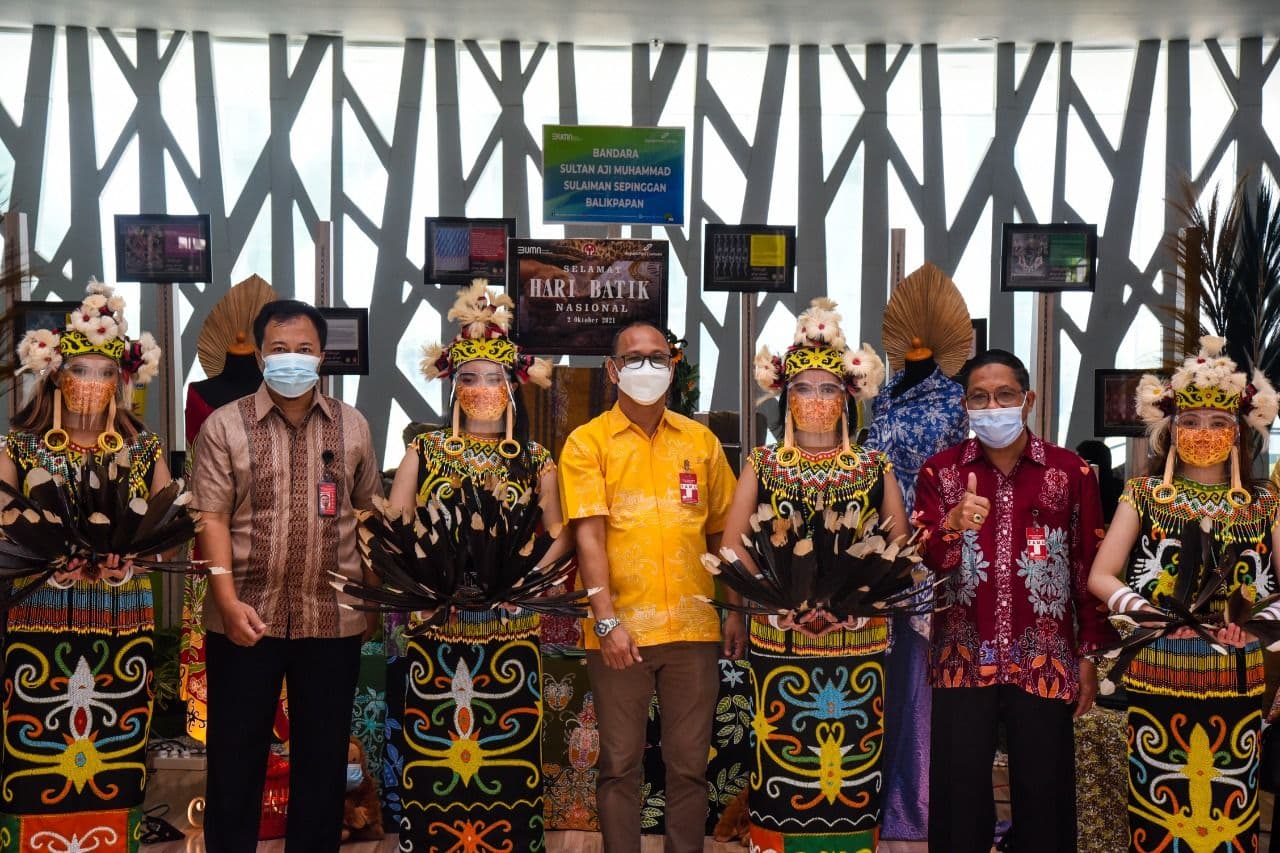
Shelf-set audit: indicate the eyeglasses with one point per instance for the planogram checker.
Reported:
(477, 380)
(89, 373)
(823, 390)
(659, 360)
(1006, 398)
(1205, 420)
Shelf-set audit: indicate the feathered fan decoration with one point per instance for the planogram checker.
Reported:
(87, 516)
(478, 553)
(848, 568)
(1200, 575)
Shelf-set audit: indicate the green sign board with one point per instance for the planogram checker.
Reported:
(614, 175)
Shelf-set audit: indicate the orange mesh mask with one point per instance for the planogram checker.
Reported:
(483, 403)
(86, 397)
(1204, 447)
(816, 414)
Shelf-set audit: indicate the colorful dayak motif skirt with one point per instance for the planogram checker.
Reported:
(1193, 773)
(471, 738)
(77, 712)
(818, 725)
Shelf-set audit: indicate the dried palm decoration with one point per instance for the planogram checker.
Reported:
(850, 566)
(927, 312)
(482, 551)
(230, 323)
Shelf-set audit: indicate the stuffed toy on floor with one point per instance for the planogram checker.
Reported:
(361, 811)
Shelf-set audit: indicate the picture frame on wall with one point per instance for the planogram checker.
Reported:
(461, 249)
(749, 258)
(979, 343)
(163, 249)
(346, 351)
(1048, 258)
(572, 295)
(27, 316)
(1115, 406)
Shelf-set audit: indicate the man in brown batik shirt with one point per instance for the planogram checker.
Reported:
(277, 477)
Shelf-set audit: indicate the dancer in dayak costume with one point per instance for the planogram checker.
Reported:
(818, 678)
(1196, 547)
(78, 646)
(469, 743)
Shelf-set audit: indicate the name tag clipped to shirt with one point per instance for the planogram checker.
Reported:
(688, 485)
(327, 491)
(1037, 543)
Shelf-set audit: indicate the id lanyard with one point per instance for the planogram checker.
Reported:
(1037, 540)
(327, 489)
(688, 485)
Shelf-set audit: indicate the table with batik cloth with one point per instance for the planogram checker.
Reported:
(570, 739)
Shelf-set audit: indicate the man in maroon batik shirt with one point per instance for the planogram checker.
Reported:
(1014, 521)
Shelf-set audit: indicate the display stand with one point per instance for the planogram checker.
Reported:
(746, 414)
(16, 263)
(1044, 363)
(897, 256)
(323, 238)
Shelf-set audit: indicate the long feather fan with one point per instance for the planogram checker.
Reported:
(1201, 574)
(848, 567)
(87, 516)
(479, 552)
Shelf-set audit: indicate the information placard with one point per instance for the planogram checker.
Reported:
(749, 258)
(346, 352)
(1049, 258)
(572, 295)
(460, 249)
(623, 175)
(163, 249)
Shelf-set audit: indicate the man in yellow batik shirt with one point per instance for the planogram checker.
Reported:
(648, 491)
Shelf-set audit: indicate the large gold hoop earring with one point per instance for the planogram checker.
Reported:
(56, 438)
(455, 444)
(110, 441)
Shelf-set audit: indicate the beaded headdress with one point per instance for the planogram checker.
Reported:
(97, 327)
(484, 318)
(819, 344)
(1207, 380)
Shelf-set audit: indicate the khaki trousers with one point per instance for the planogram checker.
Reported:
(687, 680)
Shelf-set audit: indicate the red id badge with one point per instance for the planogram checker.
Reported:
(327, 498)
(688, 487)
(1037, 544)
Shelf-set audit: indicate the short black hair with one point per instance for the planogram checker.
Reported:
(635, 324)
(1096, 452)
(996, 356)
(287, 309)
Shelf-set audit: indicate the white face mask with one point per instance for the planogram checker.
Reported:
(997, 428)
(645, 384)
(290, 374)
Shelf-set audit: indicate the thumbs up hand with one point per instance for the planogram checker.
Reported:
(972, 511)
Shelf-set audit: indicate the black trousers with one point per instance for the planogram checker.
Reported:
(962, 809)
(244, 685)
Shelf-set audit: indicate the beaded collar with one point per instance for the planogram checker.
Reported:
(817, 478)
(442, 473)
(1195, 501)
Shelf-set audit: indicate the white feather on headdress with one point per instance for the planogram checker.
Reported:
(477, 307)
(767, 374)
(1263, 405)
(866, 369)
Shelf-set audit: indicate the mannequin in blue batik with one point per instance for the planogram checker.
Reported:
(927, 336)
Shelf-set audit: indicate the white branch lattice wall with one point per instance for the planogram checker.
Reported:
(271, 136)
